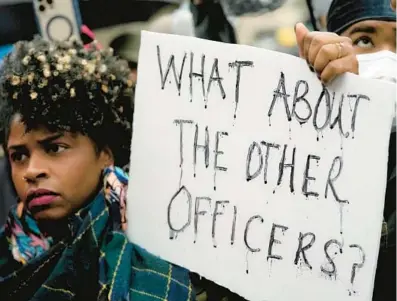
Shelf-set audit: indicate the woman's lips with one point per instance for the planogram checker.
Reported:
(42, 200)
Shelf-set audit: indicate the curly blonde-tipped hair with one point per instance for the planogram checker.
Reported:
(66, 87)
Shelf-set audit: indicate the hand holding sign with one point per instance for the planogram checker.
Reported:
(249, 172)
(327, 53)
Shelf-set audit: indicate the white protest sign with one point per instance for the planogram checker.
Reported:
(245, 170)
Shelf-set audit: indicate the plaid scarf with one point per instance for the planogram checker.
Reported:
(96, 262)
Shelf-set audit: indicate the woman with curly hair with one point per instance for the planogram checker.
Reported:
(66, 116)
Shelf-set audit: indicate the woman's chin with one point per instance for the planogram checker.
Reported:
(49, 213)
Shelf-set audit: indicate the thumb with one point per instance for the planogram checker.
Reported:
(300, 33)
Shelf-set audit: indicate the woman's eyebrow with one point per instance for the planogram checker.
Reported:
(363, 29)
(41, 142)
(16, 147)
(50, 138)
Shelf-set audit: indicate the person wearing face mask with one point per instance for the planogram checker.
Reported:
(371, 25)
(361, 39)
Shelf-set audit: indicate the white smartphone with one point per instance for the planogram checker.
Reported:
(58, 19)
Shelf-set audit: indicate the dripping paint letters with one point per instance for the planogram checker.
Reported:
(247, 171)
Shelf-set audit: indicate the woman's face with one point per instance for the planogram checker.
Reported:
(54, 174)
(372, 36)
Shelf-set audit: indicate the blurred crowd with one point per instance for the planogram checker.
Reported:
(270, 27)
(349, 36)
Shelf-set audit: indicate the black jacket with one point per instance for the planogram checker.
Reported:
(7, 193)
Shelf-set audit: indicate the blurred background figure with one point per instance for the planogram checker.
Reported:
(211, 22)
(127, 47)
(318, 13)
(8, 197)
(174, 19)
(267, 24)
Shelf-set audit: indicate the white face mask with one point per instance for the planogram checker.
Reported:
(380, 65)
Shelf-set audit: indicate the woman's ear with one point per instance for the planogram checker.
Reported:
(106, 157)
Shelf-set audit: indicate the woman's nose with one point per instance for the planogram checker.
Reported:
(35, 169)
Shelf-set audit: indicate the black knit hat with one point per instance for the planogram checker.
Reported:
(344, 13)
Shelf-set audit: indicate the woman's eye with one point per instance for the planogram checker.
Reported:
(55, 148)
(364, 42)
(17, 157)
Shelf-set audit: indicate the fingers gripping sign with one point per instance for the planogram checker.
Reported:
(326, 53)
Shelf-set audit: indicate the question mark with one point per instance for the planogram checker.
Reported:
(356, 265)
